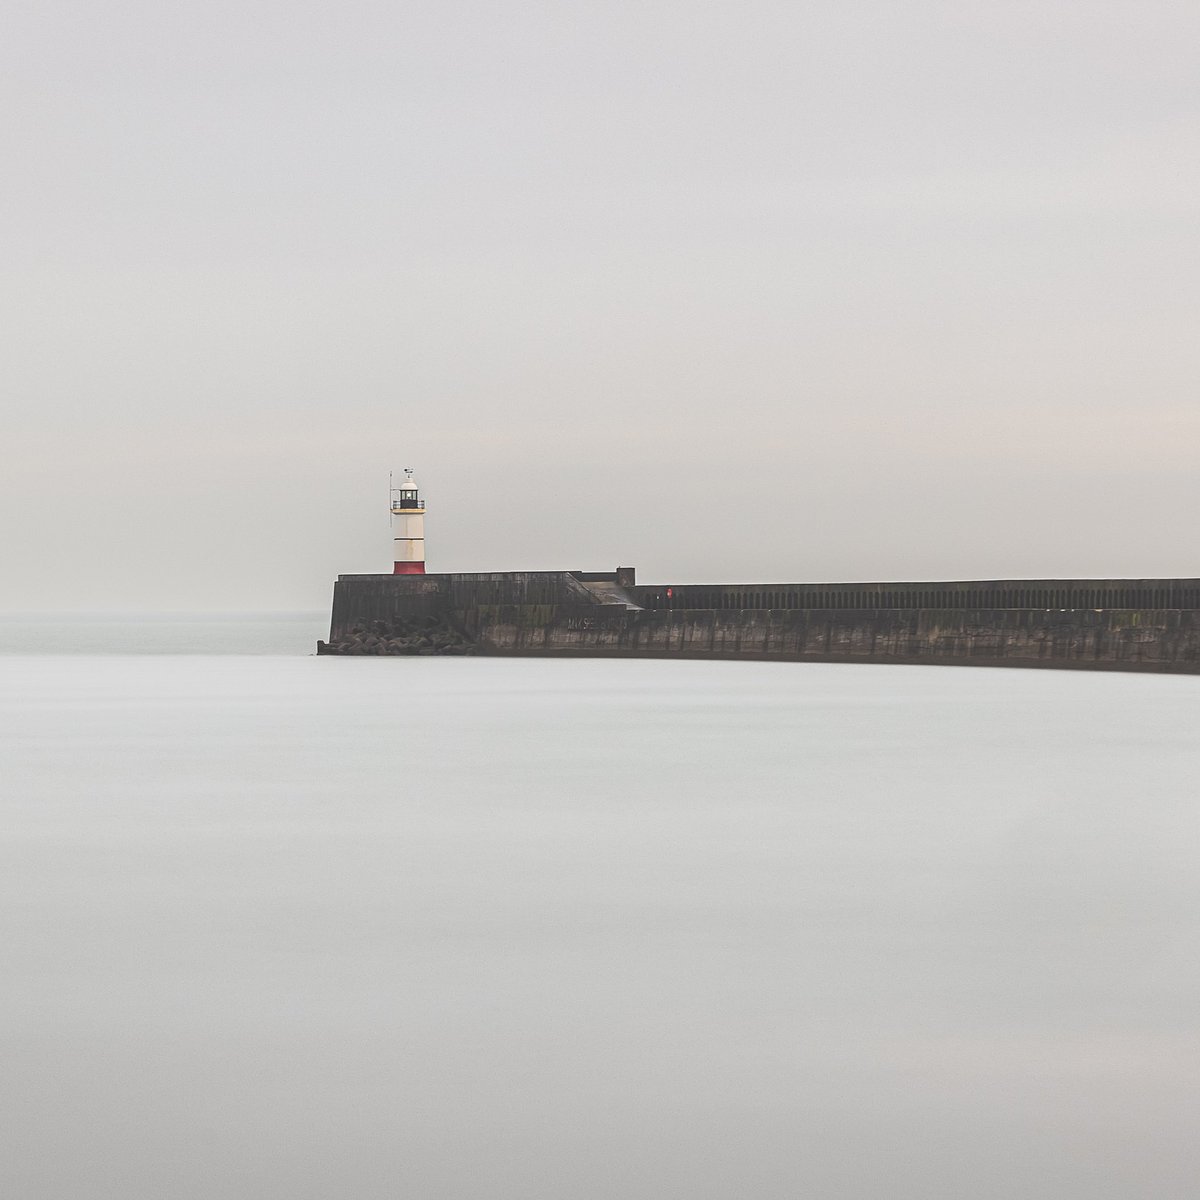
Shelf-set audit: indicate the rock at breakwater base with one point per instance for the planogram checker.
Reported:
(401, 636)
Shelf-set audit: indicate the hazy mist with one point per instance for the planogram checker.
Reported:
(768, 290)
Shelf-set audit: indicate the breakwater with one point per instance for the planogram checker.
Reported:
(1130, 624)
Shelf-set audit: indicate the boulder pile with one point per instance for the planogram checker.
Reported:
(401, 635)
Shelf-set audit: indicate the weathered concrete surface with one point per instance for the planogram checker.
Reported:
(555, 613)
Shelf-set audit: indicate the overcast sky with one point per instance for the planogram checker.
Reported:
(788, 291)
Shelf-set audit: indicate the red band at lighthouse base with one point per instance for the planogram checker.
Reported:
(408, 568)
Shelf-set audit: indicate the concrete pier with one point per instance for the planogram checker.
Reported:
(1130, 624)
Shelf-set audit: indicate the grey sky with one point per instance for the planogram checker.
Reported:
(757, 290)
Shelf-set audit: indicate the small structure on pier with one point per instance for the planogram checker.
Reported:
(408, 528)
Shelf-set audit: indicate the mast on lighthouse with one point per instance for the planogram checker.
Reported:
(408, 528)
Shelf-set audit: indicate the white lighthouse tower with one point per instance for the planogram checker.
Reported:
(408, 528)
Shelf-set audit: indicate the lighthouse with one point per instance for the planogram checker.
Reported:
(408, 528)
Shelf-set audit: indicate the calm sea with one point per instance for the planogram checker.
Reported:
(287, 928)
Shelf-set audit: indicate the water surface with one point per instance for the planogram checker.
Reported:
(289, 927)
